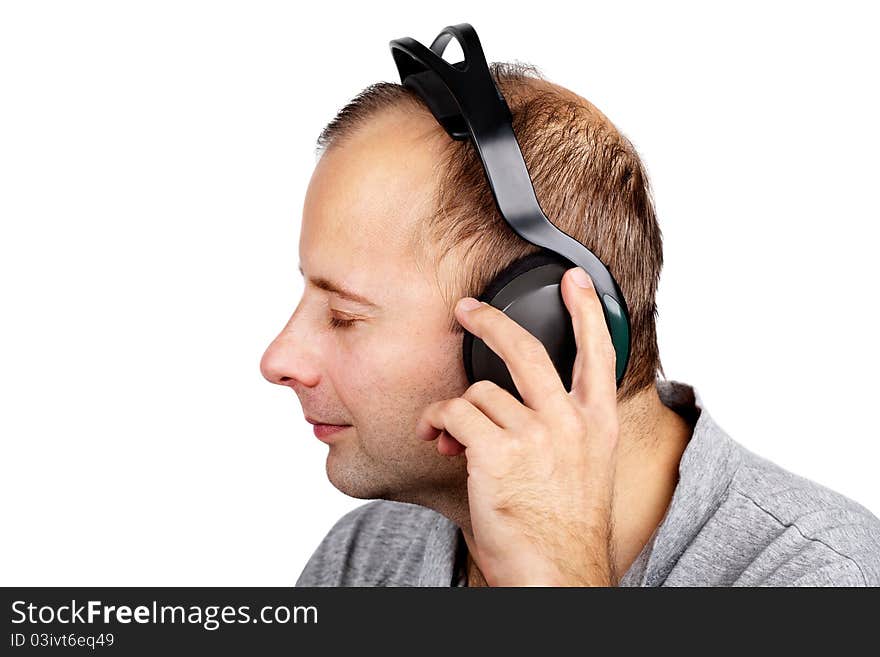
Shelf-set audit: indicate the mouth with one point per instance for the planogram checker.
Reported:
(324, 432)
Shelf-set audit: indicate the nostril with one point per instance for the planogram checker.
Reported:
(285, 379)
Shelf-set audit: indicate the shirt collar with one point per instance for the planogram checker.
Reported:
(443, 564)
(705, 470)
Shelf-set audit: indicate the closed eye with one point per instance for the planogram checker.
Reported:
(341, 323)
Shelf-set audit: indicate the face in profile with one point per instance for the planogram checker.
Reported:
(373, 363)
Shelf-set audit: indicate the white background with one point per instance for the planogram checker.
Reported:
(153, 162)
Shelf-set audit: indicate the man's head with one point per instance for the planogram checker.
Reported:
(398, 212)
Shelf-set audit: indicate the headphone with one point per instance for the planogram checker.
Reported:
(464, 99)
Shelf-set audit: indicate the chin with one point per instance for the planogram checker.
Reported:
(416, 477)
(352, 478)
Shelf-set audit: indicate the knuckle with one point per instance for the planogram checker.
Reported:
(514, 450)
(533, 429)
(457, 406)
(602, 421)
(481, 389)
(530, 348)
(490, 316)
(575, 423)
(541, 437)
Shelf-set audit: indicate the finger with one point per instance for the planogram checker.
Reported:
(594, 377)
(498, 404)
(449, 446)
(457, 417)
(531, 369)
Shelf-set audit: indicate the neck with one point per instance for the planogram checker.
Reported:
(652, 440)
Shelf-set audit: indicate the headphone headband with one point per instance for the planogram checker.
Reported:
(465, 100)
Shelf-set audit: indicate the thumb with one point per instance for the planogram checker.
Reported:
(593, 372)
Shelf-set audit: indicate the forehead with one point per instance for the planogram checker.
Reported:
(365, 199)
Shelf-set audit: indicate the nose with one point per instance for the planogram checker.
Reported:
(286, 361)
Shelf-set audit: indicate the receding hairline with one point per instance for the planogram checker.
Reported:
(382, 101)
(374, 99)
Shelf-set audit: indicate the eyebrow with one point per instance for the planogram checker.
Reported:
(339, 290)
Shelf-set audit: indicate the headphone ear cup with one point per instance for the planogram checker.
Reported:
(527, 291)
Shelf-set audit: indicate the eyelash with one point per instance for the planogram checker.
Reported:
(341, 323)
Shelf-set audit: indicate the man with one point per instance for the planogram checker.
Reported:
(596, 486)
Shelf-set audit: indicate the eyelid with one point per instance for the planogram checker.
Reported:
(345, 314)
(341, 323)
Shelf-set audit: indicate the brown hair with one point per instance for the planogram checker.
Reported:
(588, 179)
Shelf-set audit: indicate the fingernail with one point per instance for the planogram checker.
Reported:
(468, 303)
(580, 277)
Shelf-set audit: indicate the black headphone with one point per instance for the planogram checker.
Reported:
(464, 99)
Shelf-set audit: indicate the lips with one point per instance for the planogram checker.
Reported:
(324, 432)
(322, 422)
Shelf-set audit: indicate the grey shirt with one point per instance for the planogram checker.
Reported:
(735, 519)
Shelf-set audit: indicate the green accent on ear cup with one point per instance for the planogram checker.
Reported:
(619, 333)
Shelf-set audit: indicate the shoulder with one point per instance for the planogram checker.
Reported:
(380, 543)
(810, 535)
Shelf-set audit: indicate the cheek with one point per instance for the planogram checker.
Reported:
(399, 369)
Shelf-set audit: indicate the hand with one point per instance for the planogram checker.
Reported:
(540, 473)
